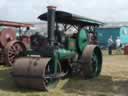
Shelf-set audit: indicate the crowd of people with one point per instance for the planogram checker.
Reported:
(111, 44)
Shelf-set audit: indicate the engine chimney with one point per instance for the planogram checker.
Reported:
(51, 24)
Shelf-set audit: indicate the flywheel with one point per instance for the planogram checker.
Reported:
(7, 35)
(82, 40)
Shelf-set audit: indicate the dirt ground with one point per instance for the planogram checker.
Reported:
(113, 81)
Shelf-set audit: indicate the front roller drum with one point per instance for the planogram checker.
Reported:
(34, 73)
(91, 62)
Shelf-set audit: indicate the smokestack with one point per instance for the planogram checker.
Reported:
(51, 24)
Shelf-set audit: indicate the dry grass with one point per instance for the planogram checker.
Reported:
(113, 81)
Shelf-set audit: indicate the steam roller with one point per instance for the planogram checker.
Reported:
(65, 54)
(10, 47)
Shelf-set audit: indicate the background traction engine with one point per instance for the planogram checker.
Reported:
(9, 46)
(61, 56)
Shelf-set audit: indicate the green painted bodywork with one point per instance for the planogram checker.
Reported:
(71, 44)
(59, 55)
(79, 43)
(63, 54)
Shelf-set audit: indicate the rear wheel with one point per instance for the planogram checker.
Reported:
(13, 50)
(91, 62)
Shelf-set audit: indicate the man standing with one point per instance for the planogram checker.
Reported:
(110, 44)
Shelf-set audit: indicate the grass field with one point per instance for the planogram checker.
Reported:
(113, 81)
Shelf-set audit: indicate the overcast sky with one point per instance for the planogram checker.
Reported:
(29, 10)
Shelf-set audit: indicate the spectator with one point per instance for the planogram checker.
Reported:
(118, 45)
(110, 45)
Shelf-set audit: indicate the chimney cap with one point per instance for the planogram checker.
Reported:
(51, 7)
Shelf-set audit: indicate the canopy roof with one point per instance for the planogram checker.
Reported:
(68, 18)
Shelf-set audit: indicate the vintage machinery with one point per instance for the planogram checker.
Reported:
(60, 54)
(10, 46)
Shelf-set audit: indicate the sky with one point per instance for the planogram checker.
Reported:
(29, 10)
